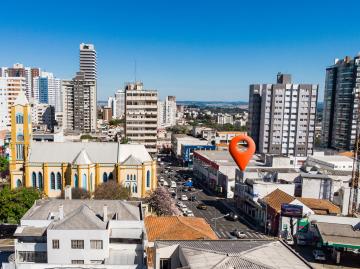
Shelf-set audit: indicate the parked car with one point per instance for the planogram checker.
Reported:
(173, 184)
(179, 204)
(238, 234)
(184, 209)
(232, 216)
(201, 206)
(184, 197)
(319, 255)
(192, 198)
(161, 179)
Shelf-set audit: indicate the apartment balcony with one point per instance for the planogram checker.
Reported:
(31, 247)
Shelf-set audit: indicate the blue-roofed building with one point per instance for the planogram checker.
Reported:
(188, 150)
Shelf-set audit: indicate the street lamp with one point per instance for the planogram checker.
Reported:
(214, 219)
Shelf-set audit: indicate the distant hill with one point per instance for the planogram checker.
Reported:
(212, 103)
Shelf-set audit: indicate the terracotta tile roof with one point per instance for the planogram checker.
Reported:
(320, 206)
(178, 228)
(349, 154)
(276, 198)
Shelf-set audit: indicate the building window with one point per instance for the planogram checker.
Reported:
(18, 183)
(111, 176)
(52, 181)
(148, 179)
(77, 244)
(40, 178)
(19, 152)
(55, 244)
(77, 261)
(34, 179)
(96, 261)
(76, 183)
(19, 118)
(131, 176)
(58, 181)
(84, 182)
(96, 244)
(165, 263)
(134, 178)
(105, 178)
(127, 177)
(134, 188)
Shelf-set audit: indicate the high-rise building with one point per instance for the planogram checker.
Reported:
(42, 116)
(10, 87)
(341, 101)
(117, 104)
(47, 90)
(141, 114)
(167, 112)
(282, 117)
(88, 61)
(79, 104)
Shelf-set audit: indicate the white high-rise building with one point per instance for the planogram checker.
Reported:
(117, 104)
(167, 112)
(10, 87)
(282, 117)
(47, 90)
(88, 61)
(141, 114)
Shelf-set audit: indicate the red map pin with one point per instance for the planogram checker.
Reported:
(242, 158)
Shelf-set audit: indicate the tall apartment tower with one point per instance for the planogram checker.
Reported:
(79, 104)
(341, 101)
(88, 61)
(282, 117)
(117, 104)
(167, 112)
(47, 90)
(141, 114)
(10, 88)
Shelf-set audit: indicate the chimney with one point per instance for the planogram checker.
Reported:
(61, 212)
(68, 192)
(105, 213)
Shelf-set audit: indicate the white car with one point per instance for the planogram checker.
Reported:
(166, 184)
(319, 255)
(173, 184)
(189, 213)
(180, 204)
(184, 197)
(161, 179)
(184, 209)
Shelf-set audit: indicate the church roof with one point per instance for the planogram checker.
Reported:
(131, 160)
(82, 158)
(95, 152)
(21, 99)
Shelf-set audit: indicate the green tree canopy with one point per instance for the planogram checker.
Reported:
(4, 165)
(15, 203)
(111, 190)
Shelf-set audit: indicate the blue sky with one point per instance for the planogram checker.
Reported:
(193, 49)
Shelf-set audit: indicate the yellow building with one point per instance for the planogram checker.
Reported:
(50, 166)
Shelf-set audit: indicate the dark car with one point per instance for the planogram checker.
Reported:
(232, 216)
(193, 198)
(201, 206)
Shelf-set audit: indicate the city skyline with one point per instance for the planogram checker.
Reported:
(187, 50)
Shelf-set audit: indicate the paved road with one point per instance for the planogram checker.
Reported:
(215, 207)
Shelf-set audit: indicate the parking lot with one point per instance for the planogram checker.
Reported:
(215, 207)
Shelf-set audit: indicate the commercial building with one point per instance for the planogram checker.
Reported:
(222, 139)
(218, 254)
(51, 166)
(88, 61)
(167, 112)
(282, 117)
(141, 115)
(341, 101)
(330, 162)
(178, 140)
(47, 90)
(79, 99)
(88, 233)
(10, 87)
(216, 169)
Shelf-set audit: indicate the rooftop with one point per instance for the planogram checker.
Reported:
(276, 198)
(178, 228)
(331, 158)
(254, 254)
(221, 157)
(320, 206)
(340, 235)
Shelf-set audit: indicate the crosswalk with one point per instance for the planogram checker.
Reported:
(249, 235)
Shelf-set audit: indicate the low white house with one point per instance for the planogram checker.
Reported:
(93, 233)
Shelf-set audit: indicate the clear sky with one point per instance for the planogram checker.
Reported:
(193, 49)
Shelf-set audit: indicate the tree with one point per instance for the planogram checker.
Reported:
(86, 136)
(111, 190)
(116, 122)
(4, 165)
(160, 200)
(124, 140)
(14, 203)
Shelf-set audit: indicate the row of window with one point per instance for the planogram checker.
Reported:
(79, 244)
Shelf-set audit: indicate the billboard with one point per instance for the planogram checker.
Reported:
(289, 210)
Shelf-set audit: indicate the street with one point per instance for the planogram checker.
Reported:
(216, 208)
